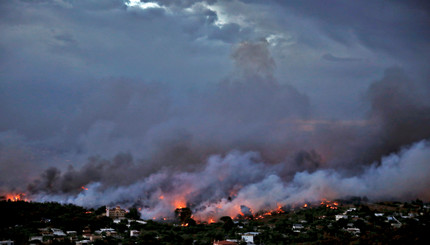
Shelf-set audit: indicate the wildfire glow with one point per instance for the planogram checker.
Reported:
(240, 212)
(179, 204)
(278, 210)
(84, 188)
(161, 197)
(329, 204)
(16, 197)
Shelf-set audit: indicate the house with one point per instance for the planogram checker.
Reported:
(83, 242)
(395, 223)
(224, 243)
(249, 237)
(115, 213)
(86, 232)
(341, 216)
(45, 231)
(57, 232)
(105, 230)
(297, 227)
(134, 233)
(95, 237)
(353, 230)
(36, 238)
(7, 242)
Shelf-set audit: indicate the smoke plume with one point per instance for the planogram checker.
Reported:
(249, 144)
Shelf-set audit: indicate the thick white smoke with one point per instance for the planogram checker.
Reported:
(228, 183)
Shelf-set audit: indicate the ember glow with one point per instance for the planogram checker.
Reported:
(84, 188)
(15, 197)
(329, 204)
(179, 204)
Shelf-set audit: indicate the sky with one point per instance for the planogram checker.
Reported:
(214, 102)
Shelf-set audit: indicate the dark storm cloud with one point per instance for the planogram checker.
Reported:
(372, 22)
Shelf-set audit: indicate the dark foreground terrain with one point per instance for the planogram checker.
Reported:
(343, 222)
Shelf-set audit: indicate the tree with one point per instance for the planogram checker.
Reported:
(228, 223)
(133, 214)
(190, 222)
(100, 210)
(183, 214)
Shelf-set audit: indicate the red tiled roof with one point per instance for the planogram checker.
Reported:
(224, 243)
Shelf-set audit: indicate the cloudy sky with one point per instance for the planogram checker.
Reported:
(138, 88)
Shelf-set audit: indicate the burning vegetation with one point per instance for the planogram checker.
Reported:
(329, 204)
(15, 197)
(187, 213)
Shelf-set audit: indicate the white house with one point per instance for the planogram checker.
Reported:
(134, 233)
(249, 237)
(341, 216)
(297, 227)
(57, 232)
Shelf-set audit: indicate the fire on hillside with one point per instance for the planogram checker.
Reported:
(14, 197)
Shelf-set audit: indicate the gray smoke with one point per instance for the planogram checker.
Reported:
(240, 183)
(283, 156)
(245, 134)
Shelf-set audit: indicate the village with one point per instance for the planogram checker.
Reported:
(342, 222)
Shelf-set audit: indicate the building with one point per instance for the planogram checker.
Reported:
(249, 237)
(7, 242)
(115, 213)
(83, 242)
(57, 232)
(224, 243)
(341, 216)
(297, 227)
(353, 230)
(134, 233)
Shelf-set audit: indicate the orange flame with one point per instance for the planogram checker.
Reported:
(329, 204)
(179, 204)
(84, 188)
(161, 197)
(16, 197)
(240, 212)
